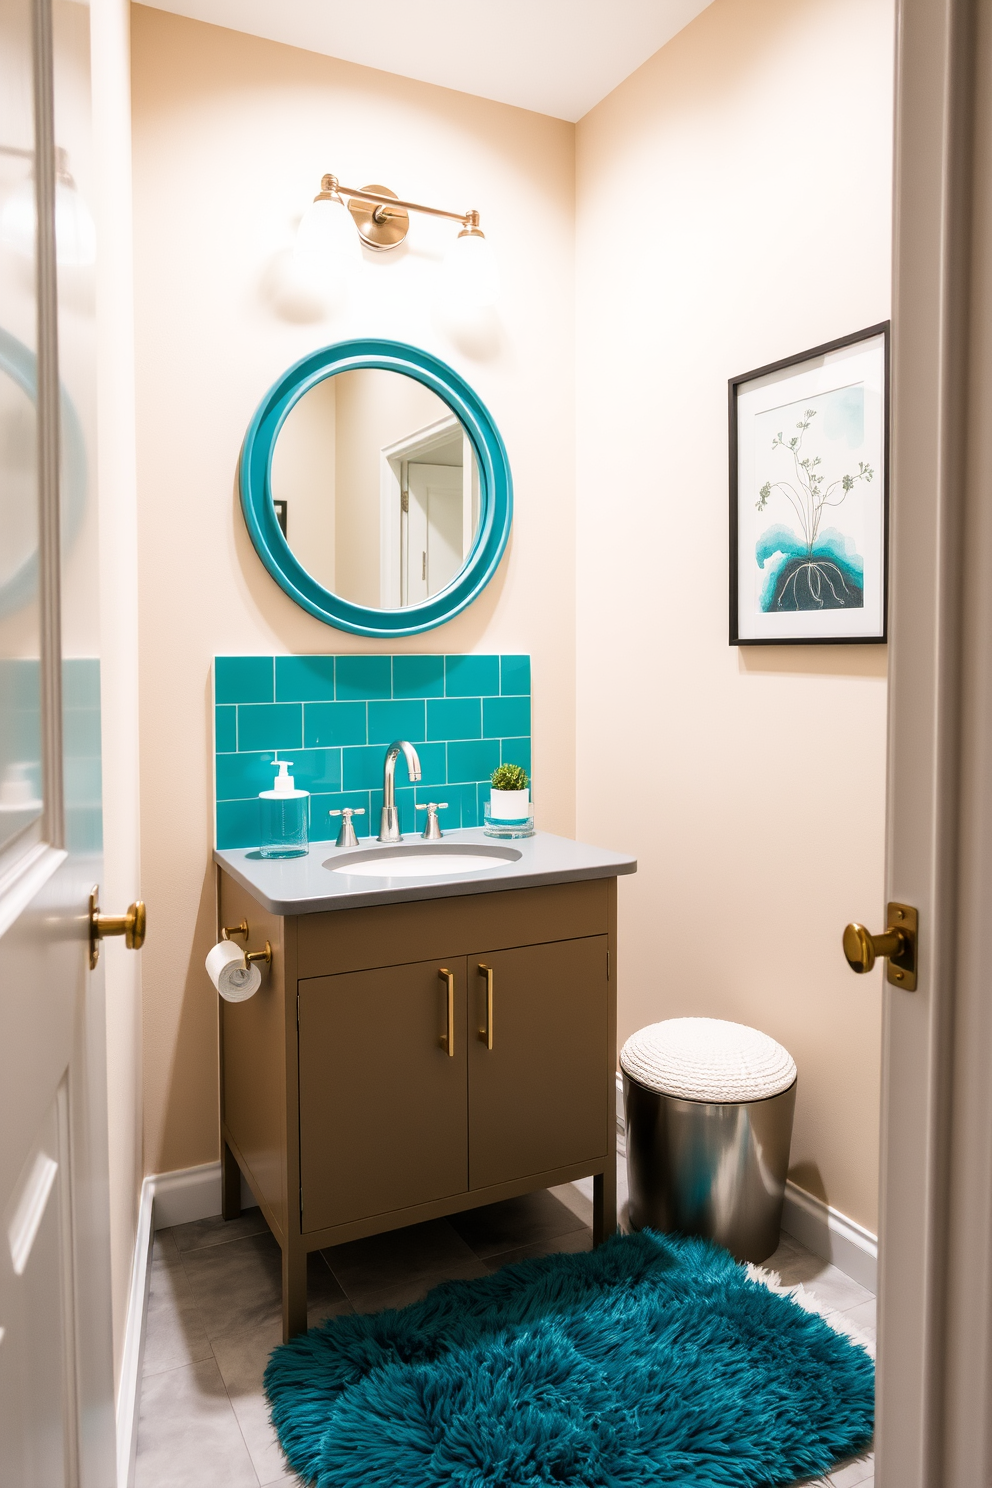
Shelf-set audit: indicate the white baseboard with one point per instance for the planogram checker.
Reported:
(825, 1231)
(134, 1339)
(831, 1235)
(166, 1199)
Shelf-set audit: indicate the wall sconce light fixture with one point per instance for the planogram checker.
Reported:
(328, 243)
(75, 230)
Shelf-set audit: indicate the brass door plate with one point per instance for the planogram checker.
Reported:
(902, 966)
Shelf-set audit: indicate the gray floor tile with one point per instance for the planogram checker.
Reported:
(218, 1287)
(174, 1333)
(863, 1318)
(218, 1231)
(164, 1246)
(844, 1323)
(402, 1293)
(398, 1258)
(576, 1240)
(827, 1283)
(857, 1474)
(532, 1218)
(238, 1287)
(577, 1197)
(188, 1434)
(242, 1353)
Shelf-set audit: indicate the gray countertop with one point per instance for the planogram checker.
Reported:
(291, 886)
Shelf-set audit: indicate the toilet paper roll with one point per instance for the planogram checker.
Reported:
(226, 968)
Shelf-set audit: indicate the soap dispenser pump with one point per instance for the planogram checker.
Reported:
(284, 816)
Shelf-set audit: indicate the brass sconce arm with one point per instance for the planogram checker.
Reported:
(383, 218)
(384, 200)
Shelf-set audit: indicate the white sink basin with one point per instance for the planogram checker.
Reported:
(421, 861)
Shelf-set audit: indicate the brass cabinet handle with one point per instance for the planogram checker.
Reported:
(130, 925)
(897, 944)
(486, 1034)
(448, 1039)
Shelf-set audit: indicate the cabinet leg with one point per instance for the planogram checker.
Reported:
(230, 1181)
(604, 1204)
(294, 1291)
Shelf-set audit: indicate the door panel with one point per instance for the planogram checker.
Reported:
(383, 1108)
(36, 1388)
(536, 1099)
(56, 1358)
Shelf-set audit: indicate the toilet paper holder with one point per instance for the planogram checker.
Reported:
(266, 955)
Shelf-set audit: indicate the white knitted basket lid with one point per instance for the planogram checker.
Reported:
(706, 1059)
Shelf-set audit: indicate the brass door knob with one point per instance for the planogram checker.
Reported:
(130, 925)
(897, 944)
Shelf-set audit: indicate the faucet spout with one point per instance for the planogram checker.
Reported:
(389, 822)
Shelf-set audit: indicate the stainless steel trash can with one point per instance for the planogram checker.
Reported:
(704, 1166)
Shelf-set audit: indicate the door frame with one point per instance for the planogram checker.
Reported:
(393, 495)
(935, 1259)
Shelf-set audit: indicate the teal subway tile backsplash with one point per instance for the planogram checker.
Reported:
(226, 729)
(333, 717)
(270, 726)
(304, 679)
(335, 723)
(515, 752)
(454, 718)
(363, 677)
(403, 719)
(504, 716)
(418, 676)
(473, 759)
(471, 676)
(514, 675)
(244, 679)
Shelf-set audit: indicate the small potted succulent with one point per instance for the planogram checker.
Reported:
(509, 798)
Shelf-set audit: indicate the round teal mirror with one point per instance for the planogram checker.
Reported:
(376, 488)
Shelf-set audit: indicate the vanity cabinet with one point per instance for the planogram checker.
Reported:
(406, 1061)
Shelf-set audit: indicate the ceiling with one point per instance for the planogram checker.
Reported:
(558, 57)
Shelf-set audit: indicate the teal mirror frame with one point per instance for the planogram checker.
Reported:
(20, 364)
(495, 487)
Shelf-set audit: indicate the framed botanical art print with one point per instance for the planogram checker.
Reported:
(809, 496)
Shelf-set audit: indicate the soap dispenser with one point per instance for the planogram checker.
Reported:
(284, 816)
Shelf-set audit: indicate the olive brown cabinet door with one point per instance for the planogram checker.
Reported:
(383, 1105)
(537, 1041)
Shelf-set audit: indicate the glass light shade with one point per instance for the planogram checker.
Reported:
(472, 273)
(328, 249)
(17, 222)
(75, 230)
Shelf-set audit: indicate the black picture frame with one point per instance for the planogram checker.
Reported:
(735, 384)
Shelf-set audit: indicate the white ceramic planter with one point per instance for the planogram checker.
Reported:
(509, 805)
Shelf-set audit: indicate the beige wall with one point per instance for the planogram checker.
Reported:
(304, 463)
(376, 409)
(733, 207)
(231, 135)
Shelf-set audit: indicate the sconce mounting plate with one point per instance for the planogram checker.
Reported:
(379, 227)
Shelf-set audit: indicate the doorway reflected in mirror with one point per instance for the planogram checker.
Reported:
(376, 488)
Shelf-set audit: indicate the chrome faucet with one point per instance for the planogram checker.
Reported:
(389, 822)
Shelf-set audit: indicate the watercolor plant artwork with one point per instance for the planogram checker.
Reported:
(808, 496)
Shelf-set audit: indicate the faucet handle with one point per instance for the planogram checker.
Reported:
(346, 836)
(432, 828)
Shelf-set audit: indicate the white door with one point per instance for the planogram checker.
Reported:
(435, 528)
(935, 1271)
(56, 1372)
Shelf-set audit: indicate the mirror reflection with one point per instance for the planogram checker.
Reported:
(376, 488)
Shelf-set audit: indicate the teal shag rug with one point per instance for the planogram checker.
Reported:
(654, 1360)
